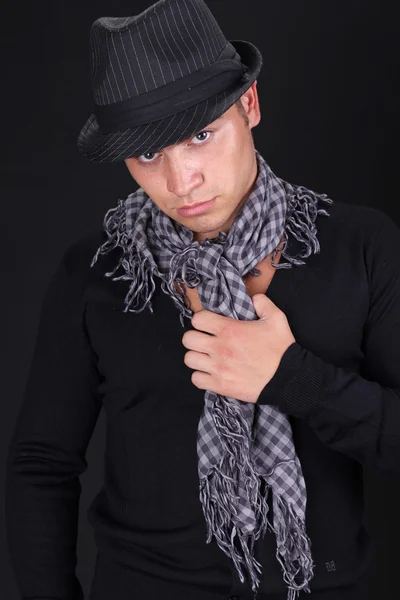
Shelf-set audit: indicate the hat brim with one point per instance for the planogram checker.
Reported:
(152, 137)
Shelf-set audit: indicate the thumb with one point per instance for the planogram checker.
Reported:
(262, 305)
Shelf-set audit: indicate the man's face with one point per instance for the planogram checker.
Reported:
(218, 162)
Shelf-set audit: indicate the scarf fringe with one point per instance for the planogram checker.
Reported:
(136, 266)
(293, 545)
(218, 495)
(302, 212)
(218, 518)
(219, 492)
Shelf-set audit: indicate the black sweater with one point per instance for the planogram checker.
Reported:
(339, 384)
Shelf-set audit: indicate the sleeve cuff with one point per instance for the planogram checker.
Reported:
(301, 383)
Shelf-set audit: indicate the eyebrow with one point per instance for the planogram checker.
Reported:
(202, 129)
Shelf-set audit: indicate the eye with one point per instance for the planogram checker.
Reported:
(202, 133)
(146, 154)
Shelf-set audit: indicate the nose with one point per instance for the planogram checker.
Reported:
(183, 176)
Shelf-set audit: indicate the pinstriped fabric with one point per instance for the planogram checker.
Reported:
(171, 43)
(245, 451)
(139, 55)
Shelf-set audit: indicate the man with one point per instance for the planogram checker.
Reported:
(233, 466)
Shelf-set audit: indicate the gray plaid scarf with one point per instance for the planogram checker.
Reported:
(244, 449)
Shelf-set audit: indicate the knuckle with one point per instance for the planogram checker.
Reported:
(227, 352)
(223, 350)
(281, 317)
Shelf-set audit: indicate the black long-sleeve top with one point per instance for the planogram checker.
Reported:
(339, 385)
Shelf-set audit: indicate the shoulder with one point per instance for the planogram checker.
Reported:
(74, 271)
(352, 217)
(357, 234)
(356, 224)
(78, 254)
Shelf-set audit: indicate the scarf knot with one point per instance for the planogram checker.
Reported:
(196, 263)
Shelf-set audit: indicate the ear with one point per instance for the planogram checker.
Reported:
(251, 105)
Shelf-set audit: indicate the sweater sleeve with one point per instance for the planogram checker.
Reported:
(353, 414)
(46, 454)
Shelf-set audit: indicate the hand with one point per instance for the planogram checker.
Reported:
(240, 357)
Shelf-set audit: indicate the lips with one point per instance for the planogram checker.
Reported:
(196, 209)
(185, 206)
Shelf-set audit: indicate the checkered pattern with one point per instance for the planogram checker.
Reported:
(169, 72)
(245, 451)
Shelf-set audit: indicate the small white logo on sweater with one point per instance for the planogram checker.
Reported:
(330, 566)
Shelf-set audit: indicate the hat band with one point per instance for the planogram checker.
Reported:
(171, 98)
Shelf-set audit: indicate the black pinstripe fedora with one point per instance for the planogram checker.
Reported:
(160, 77)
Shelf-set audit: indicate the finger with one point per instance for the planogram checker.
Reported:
(198, 361)
(203, 381)
(197, 340)
(208, 321)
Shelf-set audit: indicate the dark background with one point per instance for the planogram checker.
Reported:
(329, 96)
